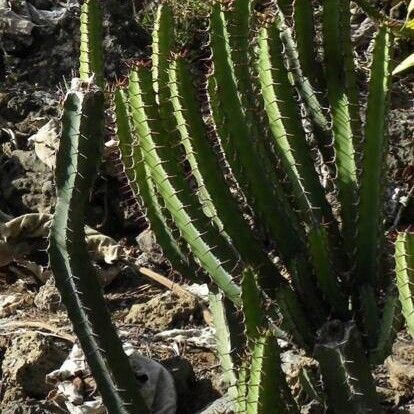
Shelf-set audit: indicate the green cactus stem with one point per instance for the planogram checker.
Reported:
(345, 371)
(404, 268)
(267, 390)
(370, 236)
(91, 53)
(77, 162)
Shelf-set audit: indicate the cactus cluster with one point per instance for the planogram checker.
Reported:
(257, 172)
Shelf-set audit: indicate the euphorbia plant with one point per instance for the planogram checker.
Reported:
(253, 163)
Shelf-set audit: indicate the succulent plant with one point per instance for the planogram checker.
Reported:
(77, 164)
(404, 259)
(253, 162)
(252, 112)
(91, 59)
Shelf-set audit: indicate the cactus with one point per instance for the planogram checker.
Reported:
(404, 267)
(267, 390)
(244, 174)
(77, 162)
(348, 380)
(258, 385)
(246, 116)
(91, 60)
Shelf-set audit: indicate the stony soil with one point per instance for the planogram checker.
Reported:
(38, 53)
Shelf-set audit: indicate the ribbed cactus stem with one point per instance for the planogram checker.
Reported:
(267, 389)
(390, 325)
(371, 205)
(91, 58)
(78, 158)
(345, 370)
(223, 342)
(200, 242)
(404, 262)
(143, 188)
(334, 43)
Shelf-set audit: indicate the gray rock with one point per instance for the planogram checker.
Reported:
(400, 366)
(26, 362)
(25, 183)
(48, 297)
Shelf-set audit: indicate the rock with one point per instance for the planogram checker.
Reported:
(46, 19)
(48, 297)
(11, 303)
(46, 142)
(404, 351)
(17, 31)
(26, 362)
(17, 298)
(29, 407)
(197, 337)
(401, 369)
(147, 243)
(386, 395)
(42, 4)
(163, 312)
(223, 405)
(407, 409)
(25, 183)
(103, 249)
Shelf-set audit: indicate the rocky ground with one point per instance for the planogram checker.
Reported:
(167, 323)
